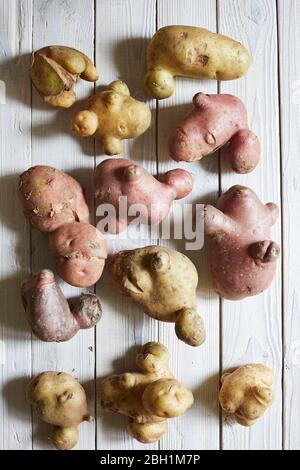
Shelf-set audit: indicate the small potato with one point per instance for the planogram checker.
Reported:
(55, 70)
(192, 52)
(60, 400)
(79, 251)
(247, 392)
(113, 115)
(51, 198)
(48, 312)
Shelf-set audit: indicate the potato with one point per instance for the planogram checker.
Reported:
(48, 312)
(247, 392)
(115, 178)
(113, 115)
(148, 397)
(51, 198)
(79, 252)
(56, 69)
(191, 52)
(216, 121)
(163, 283)
(243, 258)
(60, 400)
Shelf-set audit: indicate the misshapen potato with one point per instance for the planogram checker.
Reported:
(51, 198)
(60, 400)
(247, 392)
(216, 121)
(163, 283)
(79, 252)
(48, 312)
(243, 258)
(56, 69)
(192, 52)
(116, 178)
(149, 397)
(113, 115)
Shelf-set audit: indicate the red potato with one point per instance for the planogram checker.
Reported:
(79, 252)
(51, 198)
(122, 177)
(48, 311)
(216, 121)
(243, 259)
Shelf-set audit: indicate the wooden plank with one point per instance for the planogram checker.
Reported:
(196, 368)
(289, 49)
(252, 327)
(122, 31)
(15, 139)
(68, 23)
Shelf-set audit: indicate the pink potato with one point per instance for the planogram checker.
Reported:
(216, 121)
(79, 252)
(243, 258)
(51, 198)
(48, 311)
(121, 177)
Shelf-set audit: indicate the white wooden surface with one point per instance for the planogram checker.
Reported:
(262, 329)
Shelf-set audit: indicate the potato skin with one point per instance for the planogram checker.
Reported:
(55, 70)
(115, 178)
(163, 283)
(148, 397)
(60, 400)
(216, 121)
(112, 115)
(243, 258)
(247, 392)
(51, 198)
(192, 52)
(48, 312)
(79, 252)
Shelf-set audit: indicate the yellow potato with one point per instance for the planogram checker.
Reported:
(149, 397)
(191, 52)
(246, 392)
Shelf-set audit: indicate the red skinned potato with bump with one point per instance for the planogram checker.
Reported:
(122, 177)
(49, 313)
(79, 252)
(51, 198)
(216, 121)
(243, 257)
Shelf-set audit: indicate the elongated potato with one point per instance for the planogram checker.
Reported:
(192, 52)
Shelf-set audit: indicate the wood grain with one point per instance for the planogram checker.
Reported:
(15, 148)
(252, 327)
(120, 53)
(70, 23)
(289, 49)
(197, 368)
